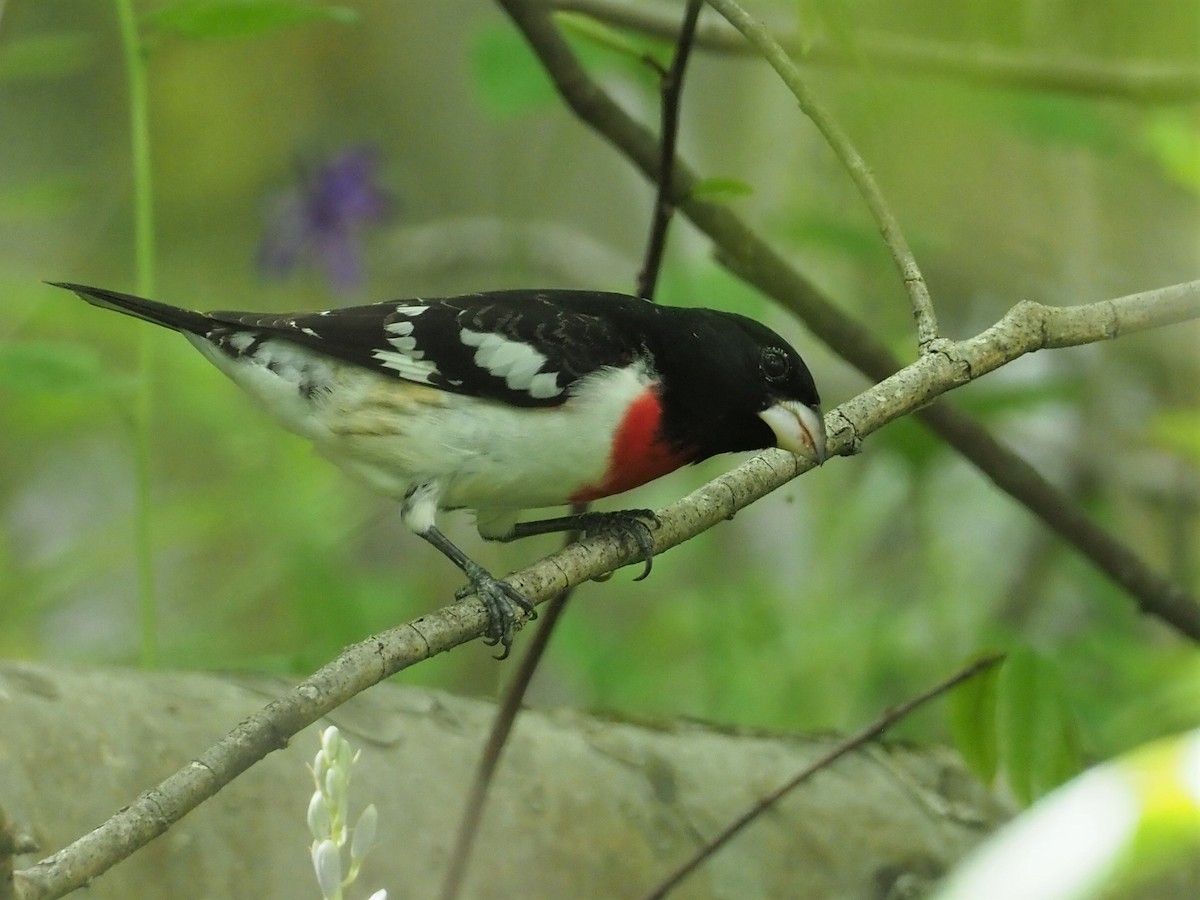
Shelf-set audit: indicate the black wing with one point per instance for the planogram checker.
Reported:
(524, 347)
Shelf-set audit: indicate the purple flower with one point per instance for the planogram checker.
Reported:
(322, 218)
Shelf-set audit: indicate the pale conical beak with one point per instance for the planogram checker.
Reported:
(798, 428)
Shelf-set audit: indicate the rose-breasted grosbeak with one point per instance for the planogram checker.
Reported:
(509, 400)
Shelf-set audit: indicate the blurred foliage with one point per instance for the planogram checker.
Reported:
(224, 19)
(1174, 141)
(43, 56)
(511, 82)
(973, 718)
(843, 593)
(1127, 829)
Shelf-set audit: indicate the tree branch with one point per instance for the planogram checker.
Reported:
(1026, 328)
(868, 733)
(671, 93)
(1139, 81)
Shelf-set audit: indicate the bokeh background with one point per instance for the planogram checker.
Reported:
(846, 592)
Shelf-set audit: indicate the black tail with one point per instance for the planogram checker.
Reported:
(151, 310)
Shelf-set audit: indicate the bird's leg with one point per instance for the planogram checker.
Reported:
(498, 596)
(636, 523)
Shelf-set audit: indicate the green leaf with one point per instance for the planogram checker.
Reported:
(605, 37)
(720, 190)
(1039, 738)
(507, 77)
(1018, 713)
(224, 19)
(42, 56)
(55, 367)
(973, 709)
(510, 81)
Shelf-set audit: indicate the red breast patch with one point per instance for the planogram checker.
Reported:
(638, 452)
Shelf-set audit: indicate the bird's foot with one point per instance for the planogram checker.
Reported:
(503, 603)
(636, 524)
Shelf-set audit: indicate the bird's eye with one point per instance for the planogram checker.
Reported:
(775, 365)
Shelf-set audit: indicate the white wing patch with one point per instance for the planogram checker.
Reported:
(406, 366)
(406, 360)
(516, 362)
(544, 385)
(403, 339)
(241, 340)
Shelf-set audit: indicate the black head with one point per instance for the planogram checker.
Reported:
(731, 383)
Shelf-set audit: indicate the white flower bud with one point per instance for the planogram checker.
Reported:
(320, 766)
(328, 866)
(319, 821)
(330, 739)
(364, 833)
(345, 755)
(337, 781)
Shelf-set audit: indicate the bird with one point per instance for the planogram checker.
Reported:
(511, 400)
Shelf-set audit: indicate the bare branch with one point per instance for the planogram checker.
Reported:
(839, 141)
(853, 742)
(671, 91)
(1026, 328)
(502, 724)
(1141, 81)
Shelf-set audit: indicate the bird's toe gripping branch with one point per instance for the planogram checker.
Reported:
(636, 524)
(502, 601)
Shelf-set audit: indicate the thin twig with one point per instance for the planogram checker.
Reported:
(143, 398)
(846, 745)
(502, 724)
(839, 141)
(514, 696)
(671, 89)
(1138, 80)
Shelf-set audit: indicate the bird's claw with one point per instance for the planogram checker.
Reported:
(636, 523)
(502, 601)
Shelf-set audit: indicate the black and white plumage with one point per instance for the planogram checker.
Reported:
(509, 400)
